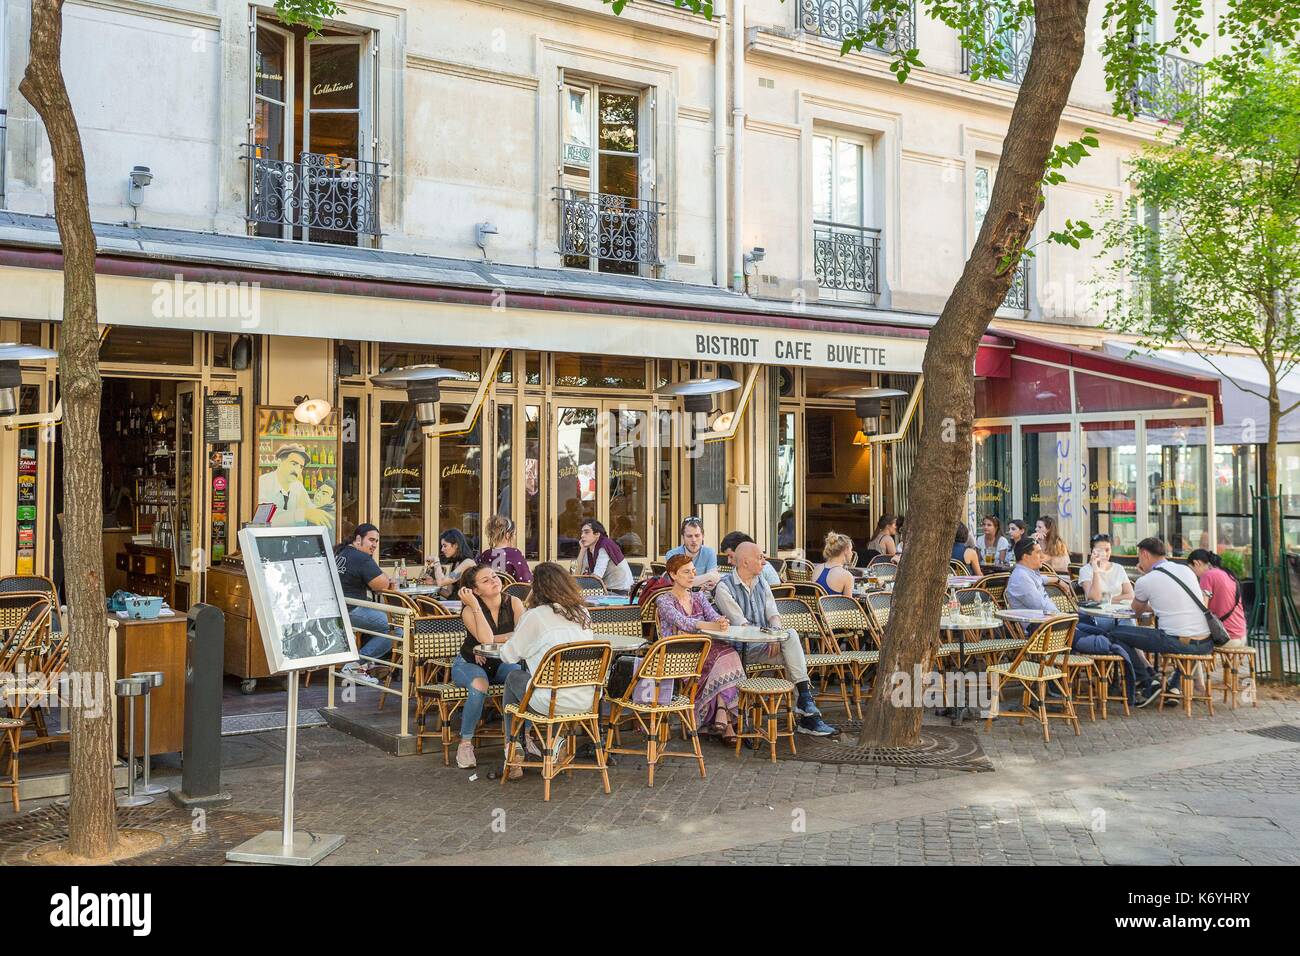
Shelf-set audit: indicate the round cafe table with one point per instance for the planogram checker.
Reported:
(1116, 612)
(748, 634)
(961, 623)
(620, 643)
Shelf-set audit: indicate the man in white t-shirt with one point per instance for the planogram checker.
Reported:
(1181, 627)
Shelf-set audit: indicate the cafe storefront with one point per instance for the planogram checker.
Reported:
(1102, 444)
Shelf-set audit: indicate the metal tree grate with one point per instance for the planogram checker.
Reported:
(939, 748)
(183, 843)
(1287, 732)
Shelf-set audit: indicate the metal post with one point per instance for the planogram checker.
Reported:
(131, 688)
(151, 680)
(290, 752)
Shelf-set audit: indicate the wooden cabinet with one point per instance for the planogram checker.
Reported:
(152, 571)
(228, 590)
(157, 645)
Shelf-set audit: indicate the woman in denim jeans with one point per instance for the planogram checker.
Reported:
(489, 617)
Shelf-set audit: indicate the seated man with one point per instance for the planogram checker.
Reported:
(1168, 590)
(1025, 591)
(702, 556)
(744, 597)
(732, 541)
(359, 575)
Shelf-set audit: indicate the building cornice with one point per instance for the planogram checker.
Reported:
(426, 62)
(157, 11)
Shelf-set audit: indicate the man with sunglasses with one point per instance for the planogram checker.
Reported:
(702, 556)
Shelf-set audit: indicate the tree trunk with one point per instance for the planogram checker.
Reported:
(92, 824)
(938, 483)
(1273, 516)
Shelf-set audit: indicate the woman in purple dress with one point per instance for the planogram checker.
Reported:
(683, 611)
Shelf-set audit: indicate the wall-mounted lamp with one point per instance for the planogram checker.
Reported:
(241, 353)
(422, 384)
(311, 411)
(753, 258)
(481, 231)
(11, 374)
(140, 177)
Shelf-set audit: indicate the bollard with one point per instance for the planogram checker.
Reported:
(130, 688)
(204, 663)
(151, 680)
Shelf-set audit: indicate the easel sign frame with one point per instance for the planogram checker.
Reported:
(301, 612)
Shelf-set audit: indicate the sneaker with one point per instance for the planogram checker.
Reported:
(805, 706)
(815, 726)
(514, 772)
(465, 755)
(360, 673)
(1173, 691)
(530, 745)
(559, 746)
(1147, 695)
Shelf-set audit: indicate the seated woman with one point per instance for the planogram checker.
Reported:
(833, 575)
(555, 614)
(489, 618)
(1104, 582)
(1058, 555)
(602, 557)
(882, 542)
(502, 553)
(993, 548)
(683, 611)
(963, 552)
(454, 559)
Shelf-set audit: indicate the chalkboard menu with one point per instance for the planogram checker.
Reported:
(221, 422)
(711, 474)
(821, 444)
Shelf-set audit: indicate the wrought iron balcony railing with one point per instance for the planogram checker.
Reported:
(618, 231)
(328, 197)
(1172, 91)
(837, 19)
(846, 257)
(1017, 296)
(1017, 41)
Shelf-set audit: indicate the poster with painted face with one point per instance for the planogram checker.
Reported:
(297, 468)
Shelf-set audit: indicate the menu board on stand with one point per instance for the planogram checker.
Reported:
(297, 468)
(25, 562)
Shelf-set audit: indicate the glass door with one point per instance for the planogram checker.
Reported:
(400, 449)
(186, 520)
(602, 471)
(333, 135)
(273, 179)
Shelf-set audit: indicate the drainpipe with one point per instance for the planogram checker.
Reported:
(737, 144)
(720, 249)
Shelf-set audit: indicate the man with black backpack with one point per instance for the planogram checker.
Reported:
(1170, 591)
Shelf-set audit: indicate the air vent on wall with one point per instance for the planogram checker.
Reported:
(686, 260)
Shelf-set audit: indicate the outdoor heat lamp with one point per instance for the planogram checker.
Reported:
(311, 411)
(866, 403)
(697, 393)
(11, 375)
(423, 388)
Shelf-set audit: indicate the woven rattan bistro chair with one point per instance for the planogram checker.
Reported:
(798, 571)
(991, 650)
(589, 584)
(822, 654)
(1185, 665)
(11, 729)
(519, 589)
(1084, 668)
(1040, 665)
(658, 567)
(845, 619)
(877, 604)
(31, 657)
(507, 579)
(38, 584)
(581, 665)
(883, 572)
(881, 559)
(783, 590)
(678, 659)
(995, 585)
(620, 619)
(435, 644)
(778, 565)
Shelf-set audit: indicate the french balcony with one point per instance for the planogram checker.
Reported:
(1172, 91)
(846, 257)
(1017, 297)
(320, 198)
(1017, 42)
(837, 19)
(609, 233)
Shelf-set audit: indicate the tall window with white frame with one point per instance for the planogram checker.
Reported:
(312, 165)
(609, 219)
(1017, 297)
(846, 249)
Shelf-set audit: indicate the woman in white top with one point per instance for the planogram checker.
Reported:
(554, 614)
(601, 556)
(991, 545)
(1100, 579)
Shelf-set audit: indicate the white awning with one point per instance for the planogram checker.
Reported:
(1245, 413)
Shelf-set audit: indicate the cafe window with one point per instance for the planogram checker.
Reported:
(993, 465)
(532, 536)
(787, 470)
(127, 344)
(1235, 479)
(1110, 481)
(401, 481)
(1049, 455)
(460, 477)
(599, 371)
(1176, 475)
(400, 355)
(350, 473)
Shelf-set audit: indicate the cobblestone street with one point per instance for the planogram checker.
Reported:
(1149, 789)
